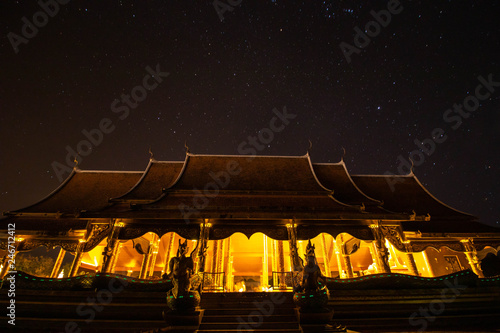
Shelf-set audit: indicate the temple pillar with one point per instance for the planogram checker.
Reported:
(144, 266)
(471, 254)
(346, 258)
(6, 263)
(229, 265)
(116, 254)
(77, 260)
(274, 261)
(146, 259)
(373, 253)
(381, 251)
(281, 266)
(410, 260)
(214, 256)
(203, 246)
(428, 264)
(110, 249)
(340, 263)
(168, 252)
(220, 263)
(410, 263)
(348, 265)
(57, 265)
(264, 280)
(326, 259)
(154, 245)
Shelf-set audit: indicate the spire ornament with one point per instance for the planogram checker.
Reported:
(151, 153)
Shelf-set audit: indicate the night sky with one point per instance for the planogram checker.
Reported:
(217, 83)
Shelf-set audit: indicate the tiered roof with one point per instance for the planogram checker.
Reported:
(239, 187)
(82, 191)
(407, 195)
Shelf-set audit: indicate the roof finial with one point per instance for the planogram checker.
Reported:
(76, 163)
(151, 153)
(343, 155)
(186, 146)
(310, 146)
(412, 166)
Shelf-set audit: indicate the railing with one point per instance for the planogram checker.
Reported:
(283, 280)
(214, 281)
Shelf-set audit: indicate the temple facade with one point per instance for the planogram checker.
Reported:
(247, 220)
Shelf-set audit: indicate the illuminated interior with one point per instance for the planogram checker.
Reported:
(261, 263)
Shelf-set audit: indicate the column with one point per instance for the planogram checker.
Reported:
(220, 266)
(57, 265)
(346, 258)
(340, 261)
(229, 265)
(168, 252)
(6, 263)
(214, 257)
(110, 249)
(381, 251)
(281, 265)
(409, 259)
(203, 246)
(154, 245)
(78, 258)
(144, 266)
(326, 259)
(146, 260)
(428, 264)
(348, 265)
(264, 279)
(214, 263)
(116, 254)
(274, 262)
(470, 253)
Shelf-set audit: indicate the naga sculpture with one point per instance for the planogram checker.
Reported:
(311, 273)
(182, 296)
(310, 293)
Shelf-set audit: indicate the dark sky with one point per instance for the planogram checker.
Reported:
(226, 77)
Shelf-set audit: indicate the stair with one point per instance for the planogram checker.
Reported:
(410, 310)
(51, 311)
(249, 312)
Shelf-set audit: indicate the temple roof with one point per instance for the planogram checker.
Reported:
(83, 190)
(157, 176)
(246, 186)
(242, 186)
(249, 173)
(336, 177)
(406, 194)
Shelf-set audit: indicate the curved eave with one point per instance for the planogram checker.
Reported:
(440, 202)
(165, 190)
(367, 199)
(73, 200)
(331, 191)
(122, 198)
(50, 195)
(411, 176)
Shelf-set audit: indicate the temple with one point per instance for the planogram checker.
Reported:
(247, 221)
